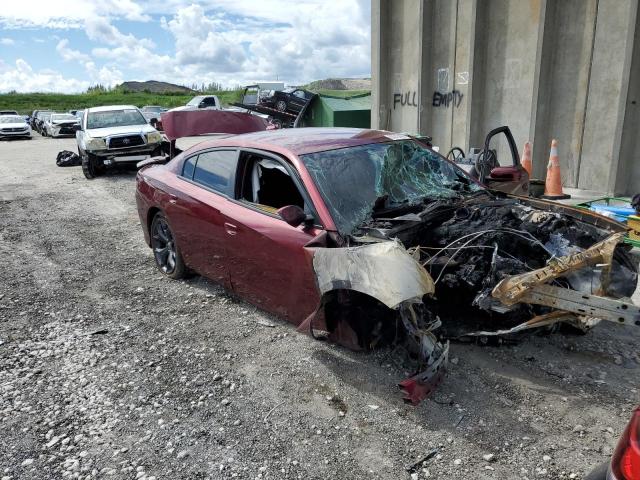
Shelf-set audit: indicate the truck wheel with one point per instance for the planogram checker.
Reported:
(90, 166)
(165, 251)
(281, 105)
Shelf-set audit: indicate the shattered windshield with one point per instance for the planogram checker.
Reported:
(354, 180)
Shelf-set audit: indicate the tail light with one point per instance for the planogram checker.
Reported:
(625, 463)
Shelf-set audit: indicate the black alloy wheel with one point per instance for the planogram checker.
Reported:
(165, 250)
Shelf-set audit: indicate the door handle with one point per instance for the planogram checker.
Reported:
(230, 228)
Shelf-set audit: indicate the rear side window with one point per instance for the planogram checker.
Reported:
(209, 101)
(188, 167)
(216, 170)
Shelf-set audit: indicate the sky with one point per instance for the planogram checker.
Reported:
(69, 45)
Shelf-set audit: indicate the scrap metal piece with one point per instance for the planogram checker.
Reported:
(604, 308)
(432, 356)
(535, 322)
(416, 465)
(420, 386)
(511, 290)
(385, 271)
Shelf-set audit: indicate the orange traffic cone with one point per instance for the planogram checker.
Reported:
(526, 158)
(553, 185)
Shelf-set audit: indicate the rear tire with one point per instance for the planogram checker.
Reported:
(90, 166)
(165, 251)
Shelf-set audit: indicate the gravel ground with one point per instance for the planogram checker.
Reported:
(109, 370)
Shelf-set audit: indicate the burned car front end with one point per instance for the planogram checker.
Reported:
(453, 261)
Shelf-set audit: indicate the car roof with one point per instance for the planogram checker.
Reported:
(300, 141)
(106, 108)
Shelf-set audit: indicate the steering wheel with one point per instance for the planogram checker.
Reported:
(456, 154)
(487, 161)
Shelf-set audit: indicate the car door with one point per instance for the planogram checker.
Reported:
(507, 175)
(195, 211)
(268, 264)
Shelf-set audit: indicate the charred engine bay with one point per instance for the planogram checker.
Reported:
(469, 245)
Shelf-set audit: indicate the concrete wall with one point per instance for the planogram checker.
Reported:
(565, 69)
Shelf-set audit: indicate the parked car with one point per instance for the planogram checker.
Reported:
(153, 109)
(117, 134)
(42, 117)
(291, 100)
(60, 124)
(353, 234)
(14, 126)
(152, 114)
(32, 118)
(211, 102)
(625, 462)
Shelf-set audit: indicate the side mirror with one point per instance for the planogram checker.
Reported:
(293, 215)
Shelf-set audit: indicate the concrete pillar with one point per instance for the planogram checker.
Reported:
(628, 175)
(396, 71)
(565, 69)
(608, 88)
(562, 85)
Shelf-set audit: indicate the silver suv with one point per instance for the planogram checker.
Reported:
(117, 134)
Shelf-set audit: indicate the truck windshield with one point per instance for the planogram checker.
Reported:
(115, 118)
(195, 101)
(355, 179)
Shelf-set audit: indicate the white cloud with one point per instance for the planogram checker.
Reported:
(100, 30)
(22, 78)
(64, 14)
(227, 41)
(68, 54)
(199, 40)
(7, 41)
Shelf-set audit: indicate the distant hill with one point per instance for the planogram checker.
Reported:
(341, 84)
(154, 86)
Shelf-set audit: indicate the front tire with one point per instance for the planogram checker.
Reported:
(165, 251)
(90, 166)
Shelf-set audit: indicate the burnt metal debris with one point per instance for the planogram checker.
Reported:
(483, 265)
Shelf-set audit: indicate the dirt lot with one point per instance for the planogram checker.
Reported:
(108, 370)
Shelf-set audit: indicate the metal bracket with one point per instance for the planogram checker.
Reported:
(617, 311)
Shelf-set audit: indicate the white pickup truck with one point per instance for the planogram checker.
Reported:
(117, 134)
(208, 102)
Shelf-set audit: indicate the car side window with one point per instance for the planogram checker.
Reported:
(268, 185)
(216, 170)
(189, 166)
(209, 102)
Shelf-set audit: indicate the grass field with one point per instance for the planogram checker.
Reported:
(25, 103)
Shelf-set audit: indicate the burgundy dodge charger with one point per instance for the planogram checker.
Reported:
(370, 238)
